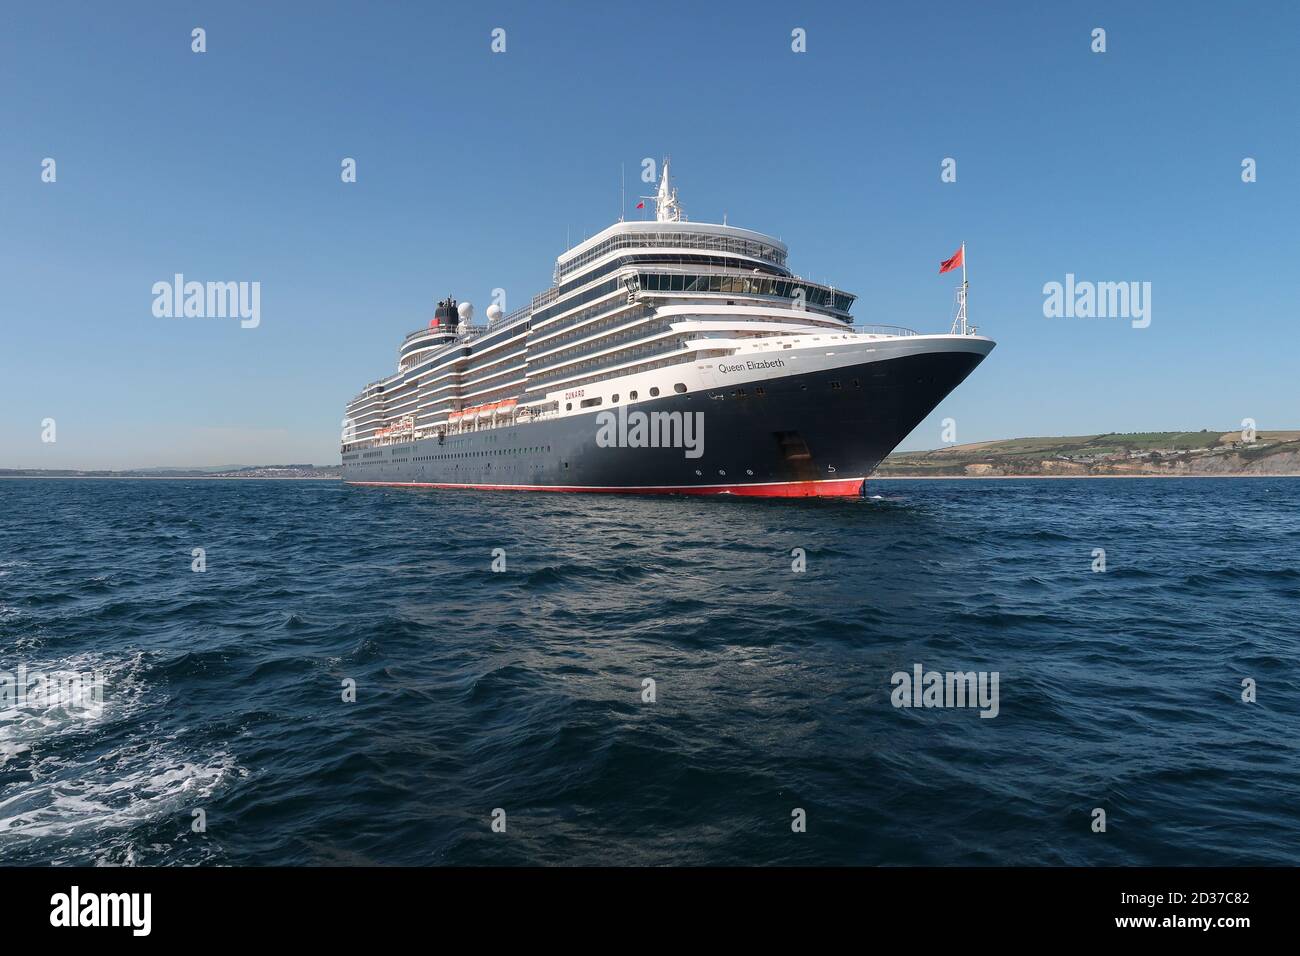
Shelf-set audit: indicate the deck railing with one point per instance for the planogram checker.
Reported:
(883, 330)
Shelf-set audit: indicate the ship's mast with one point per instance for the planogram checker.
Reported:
(667, 208)
(959, 324)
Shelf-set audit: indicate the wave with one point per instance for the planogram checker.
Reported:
(77, 775)
(524, 689)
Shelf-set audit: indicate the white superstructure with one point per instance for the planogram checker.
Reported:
(638, 311)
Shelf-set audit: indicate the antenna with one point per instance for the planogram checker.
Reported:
(667, 208)
(622, 190)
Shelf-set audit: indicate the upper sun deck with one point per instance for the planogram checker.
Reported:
(684, 236)
(670, 231)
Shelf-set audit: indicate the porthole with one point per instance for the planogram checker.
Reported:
(654, 391)
(679, 388)
(631, 397)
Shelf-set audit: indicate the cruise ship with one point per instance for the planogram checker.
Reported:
(668, 357)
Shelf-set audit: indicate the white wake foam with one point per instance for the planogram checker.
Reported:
(81, 775)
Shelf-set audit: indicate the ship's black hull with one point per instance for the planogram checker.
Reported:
(820, 433)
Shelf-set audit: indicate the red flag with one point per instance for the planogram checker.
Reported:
(954, 263)
(640, 205)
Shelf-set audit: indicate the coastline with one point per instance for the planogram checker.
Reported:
(162, 478)
(1054, 477)
(870, 478)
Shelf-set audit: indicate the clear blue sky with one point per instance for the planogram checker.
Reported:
(472, 167)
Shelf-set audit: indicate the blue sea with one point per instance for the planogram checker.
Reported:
(520, 694)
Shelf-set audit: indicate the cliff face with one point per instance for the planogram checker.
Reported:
(1283, 462)
(1138, 454)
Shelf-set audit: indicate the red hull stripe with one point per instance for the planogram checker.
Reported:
(830, 488)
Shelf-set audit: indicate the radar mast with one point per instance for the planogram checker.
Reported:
(667, 208)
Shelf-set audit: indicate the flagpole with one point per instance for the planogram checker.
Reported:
(964, 288)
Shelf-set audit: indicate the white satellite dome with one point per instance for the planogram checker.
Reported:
(466, 311)
(493, 312)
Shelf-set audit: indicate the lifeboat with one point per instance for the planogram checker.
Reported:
(507, 407)
(453, 418)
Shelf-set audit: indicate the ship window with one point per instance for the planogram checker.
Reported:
(632, 396)
(679, 388)
(568, 406)
(588, 402)
(614, 397)
(654, 390)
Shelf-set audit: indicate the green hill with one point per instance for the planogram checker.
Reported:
(1133, 453)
